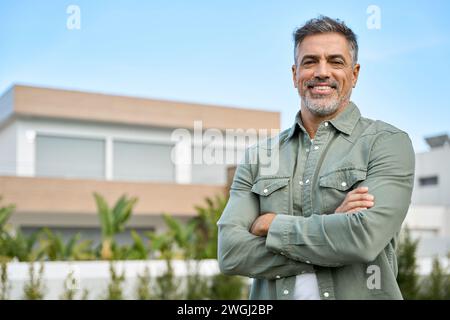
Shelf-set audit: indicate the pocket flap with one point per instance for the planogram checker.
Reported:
(342, 179)
(265, 187)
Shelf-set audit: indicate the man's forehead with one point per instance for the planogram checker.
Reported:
(324, 44)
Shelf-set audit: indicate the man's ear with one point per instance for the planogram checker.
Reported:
(355, 72)
(294, 75)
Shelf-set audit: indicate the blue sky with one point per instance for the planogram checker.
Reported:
(232, 53)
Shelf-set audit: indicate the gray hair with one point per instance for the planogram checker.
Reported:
(323, 24)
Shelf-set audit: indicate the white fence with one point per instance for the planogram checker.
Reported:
(94, 276)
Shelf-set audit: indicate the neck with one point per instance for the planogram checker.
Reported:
(311, 121)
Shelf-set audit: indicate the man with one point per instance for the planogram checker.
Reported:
(325, 224)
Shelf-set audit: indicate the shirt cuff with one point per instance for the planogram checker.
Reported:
(278, 236)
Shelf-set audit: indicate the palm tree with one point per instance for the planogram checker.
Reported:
(112, 221)
(56, 249)
(5, 213)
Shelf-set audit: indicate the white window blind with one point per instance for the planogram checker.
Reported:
(143, 161)
(70, 157)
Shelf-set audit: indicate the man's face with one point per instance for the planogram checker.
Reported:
(324, 74)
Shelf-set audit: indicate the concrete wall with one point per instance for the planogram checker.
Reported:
(429, 221)
(8, 149)
(6, 105)
(435, 162)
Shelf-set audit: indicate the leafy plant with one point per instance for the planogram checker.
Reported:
(436, 286)
(56, 250)
(197, 286)
(143, 288)
(167, 285)
(407, 278)
(16, 244)
(181, 237)
(5, 214)
(4, 283)
(138, 250)
(70, 286)
(34, 289)
(112, 221)
(115, 290)
(206, 231)
(225, 287)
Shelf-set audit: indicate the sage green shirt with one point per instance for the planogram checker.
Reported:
(353, 255)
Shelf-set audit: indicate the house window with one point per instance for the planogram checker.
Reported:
(70, 157)
(428, 181)
(214, 173)
(143, 161)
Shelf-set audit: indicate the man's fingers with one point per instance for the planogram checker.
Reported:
(360, 197)
(358, 204)
(356, 209)
(359, 190)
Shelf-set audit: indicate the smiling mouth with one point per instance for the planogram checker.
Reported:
(321, 89)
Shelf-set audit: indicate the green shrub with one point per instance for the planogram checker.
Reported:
(4, 283)
(112, 221)
(70, 287)
(407, 278)
(115, 290)
(436, 286)
(225, 287)
(143, 288)
(34, 289)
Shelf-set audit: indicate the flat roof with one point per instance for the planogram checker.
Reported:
(29, 101)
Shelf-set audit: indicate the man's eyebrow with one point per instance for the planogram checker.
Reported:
(310, 56)
(329, 57)
(336, 56)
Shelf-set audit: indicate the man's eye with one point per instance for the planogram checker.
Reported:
(338, 62)
(308, 62)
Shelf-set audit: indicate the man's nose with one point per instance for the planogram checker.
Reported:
(322, 70)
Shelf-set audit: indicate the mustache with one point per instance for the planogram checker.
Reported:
(313, 82)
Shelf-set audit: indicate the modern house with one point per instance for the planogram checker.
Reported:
(57, 147)
(429, 214)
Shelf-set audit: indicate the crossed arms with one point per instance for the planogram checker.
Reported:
(269, 245)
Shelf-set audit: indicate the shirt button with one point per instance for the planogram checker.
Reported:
(343, 183)
(300, 183)
(326, 124)
(307, 181)
(316, 148)
(286, 291)
(326, 294)
(265, 190)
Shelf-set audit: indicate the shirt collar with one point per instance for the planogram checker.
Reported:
(345, 121)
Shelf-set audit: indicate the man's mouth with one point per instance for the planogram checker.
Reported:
(321, 89)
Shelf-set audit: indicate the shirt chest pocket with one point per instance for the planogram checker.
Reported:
(273, 195)
(335, 185)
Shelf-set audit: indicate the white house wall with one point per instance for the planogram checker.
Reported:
(8, 150)
(435, 162)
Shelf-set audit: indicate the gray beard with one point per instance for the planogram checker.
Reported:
(321, 110)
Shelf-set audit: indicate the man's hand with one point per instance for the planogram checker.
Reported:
(356, 200)
(260, 226)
